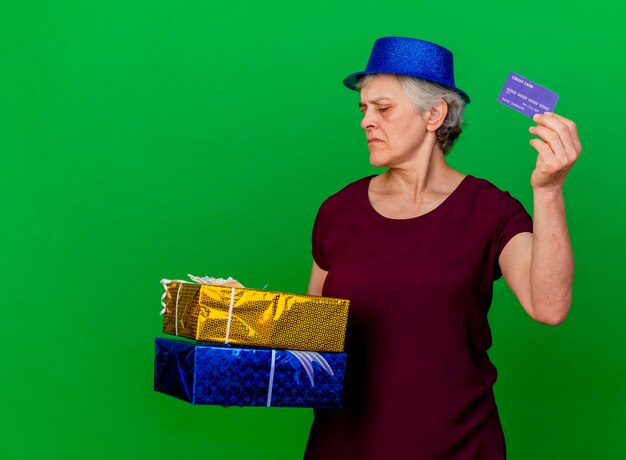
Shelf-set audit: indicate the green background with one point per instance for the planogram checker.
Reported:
(143, 140)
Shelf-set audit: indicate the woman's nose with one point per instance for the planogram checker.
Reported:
(368, 120)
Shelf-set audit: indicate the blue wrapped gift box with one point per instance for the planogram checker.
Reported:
(207, 373)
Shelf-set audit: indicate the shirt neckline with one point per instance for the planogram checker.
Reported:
(443, 204)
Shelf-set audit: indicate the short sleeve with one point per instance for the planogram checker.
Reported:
(513, 219)
(318, 239)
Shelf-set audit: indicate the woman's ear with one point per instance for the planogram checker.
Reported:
(436, 116)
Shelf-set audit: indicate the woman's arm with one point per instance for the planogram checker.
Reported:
(316, 282)
(539, 267)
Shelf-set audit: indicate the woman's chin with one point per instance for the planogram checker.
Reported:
(377, 161)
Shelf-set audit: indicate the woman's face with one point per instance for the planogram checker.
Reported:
(394, 128)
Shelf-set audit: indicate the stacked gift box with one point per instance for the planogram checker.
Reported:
(250, 347)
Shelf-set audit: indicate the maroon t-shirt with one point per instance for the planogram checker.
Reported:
(418, 380)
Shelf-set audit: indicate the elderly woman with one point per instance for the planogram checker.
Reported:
(416, 249)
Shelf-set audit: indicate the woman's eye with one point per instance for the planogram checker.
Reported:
(383, 109)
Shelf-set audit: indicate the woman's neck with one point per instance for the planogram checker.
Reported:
(426, 173)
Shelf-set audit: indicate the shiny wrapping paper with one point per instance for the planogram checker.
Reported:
(203, 373)
(257, 318)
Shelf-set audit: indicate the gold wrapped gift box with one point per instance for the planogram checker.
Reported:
(254, 317)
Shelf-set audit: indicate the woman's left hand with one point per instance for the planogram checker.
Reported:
(558, 147)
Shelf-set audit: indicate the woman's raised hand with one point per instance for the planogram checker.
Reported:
(558, 146)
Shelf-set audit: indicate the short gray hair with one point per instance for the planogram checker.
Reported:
(425, 94)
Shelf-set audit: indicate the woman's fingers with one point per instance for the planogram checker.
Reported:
(569, 124)
(562, 127)
(558, 148)
(547, 162)
(551, 137)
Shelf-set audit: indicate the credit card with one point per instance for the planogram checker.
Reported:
(526, 96)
